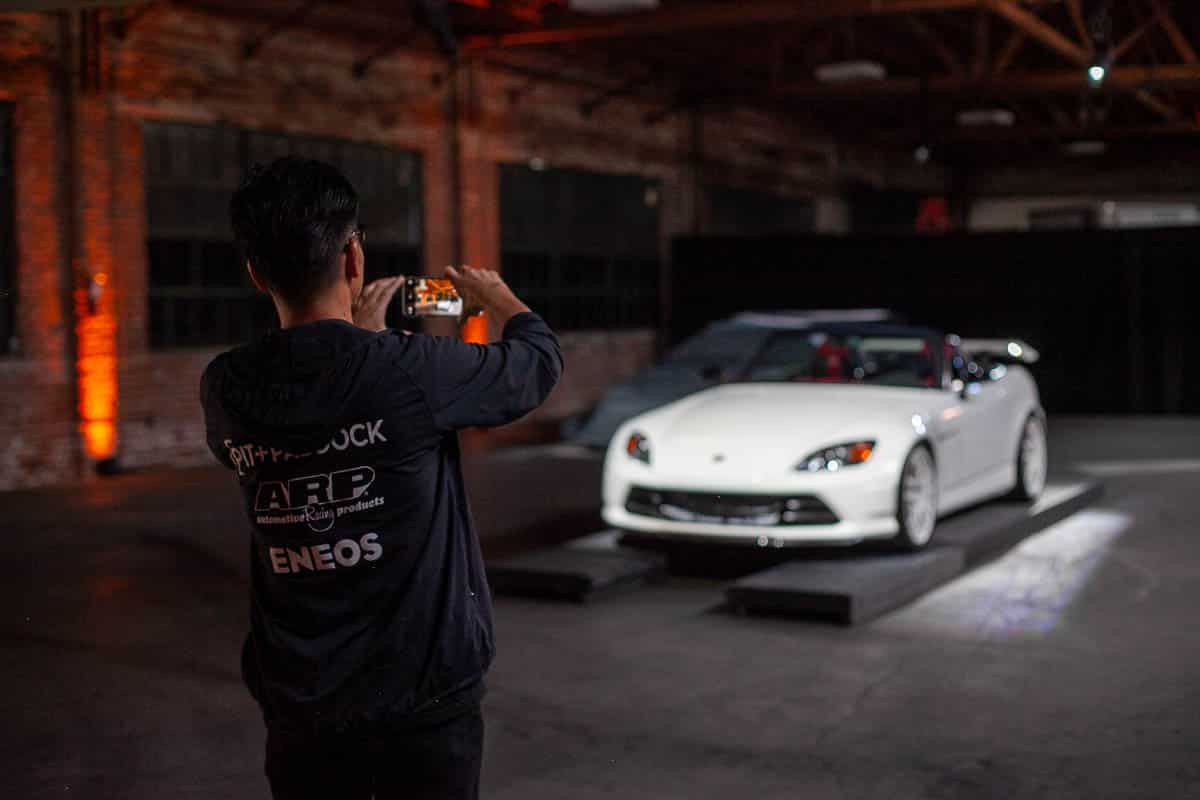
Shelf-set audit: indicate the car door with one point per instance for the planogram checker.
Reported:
(983, 416)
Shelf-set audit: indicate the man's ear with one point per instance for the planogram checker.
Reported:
(258, 284)
(354, 260)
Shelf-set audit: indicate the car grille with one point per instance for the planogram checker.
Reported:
(729, 509)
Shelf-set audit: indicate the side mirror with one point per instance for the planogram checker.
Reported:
(966, 389)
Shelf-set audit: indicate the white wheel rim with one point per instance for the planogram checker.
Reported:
(918, 497)
(1033, 458)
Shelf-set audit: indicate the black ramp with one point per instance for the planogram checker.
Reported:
(851, 590)
(989, 530)
(846, 590)
(575, 571)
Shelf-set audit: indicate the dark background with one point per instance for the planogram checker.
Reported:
(1112, 312)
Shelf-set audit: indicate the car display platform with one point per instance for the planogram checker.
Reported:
(854, 590)
(847, 585)
(845, 590)
(575, 571)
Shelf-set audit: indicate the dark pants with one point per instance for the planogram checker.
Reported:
(439, 762)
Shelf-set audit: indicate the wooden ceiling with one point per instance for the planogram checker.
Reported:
(942, 57)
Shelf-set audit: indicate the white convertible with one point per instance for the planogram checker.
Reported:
(834, 434)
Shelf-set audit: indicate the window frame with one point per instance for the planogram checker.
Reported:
(234, 151)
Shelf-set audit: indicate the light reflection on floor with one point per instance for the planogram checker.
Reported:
(1024, 593)
(1161, 466)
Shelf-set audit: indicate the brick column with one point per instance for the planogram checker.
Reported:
(37, 435)
(98, 284)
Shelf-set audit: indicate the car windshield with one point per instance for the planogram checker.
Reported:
(820, 356)
(718, 345)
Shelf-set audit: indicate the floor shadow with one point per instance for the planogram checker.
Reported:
(152, 658)
(728, 562)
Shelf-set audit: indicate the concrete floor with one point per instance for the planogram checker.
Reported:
(1067, 668)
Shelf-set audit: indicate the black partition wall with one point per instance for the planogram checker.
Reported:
(581, 247)
(1113, 313)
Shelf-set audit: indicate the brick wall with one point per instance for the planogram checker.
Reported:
(183, 66)
(37, 428)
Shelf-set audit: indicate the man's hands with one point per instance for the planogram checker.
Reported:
(480, 289)
(371, 307)
(485, 290)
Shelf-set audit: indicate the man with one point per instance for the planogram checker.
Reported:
(370, 618)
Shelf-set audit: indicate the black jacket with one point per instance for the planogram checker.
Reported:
(369, 601)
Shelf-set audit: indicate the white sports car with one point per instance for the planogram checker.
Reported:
(832, 435)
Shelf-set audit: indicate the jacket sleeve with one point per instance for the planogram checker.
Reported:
(467, 385)
(211, 407)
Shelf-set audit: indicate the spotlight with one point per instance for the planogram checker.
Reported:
(1096, 73)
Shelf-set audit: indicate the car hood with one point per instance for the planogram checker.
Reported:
(764, 423)
(649, 390)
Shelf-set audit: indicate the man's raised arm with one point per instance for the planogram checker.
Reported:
(471, 384)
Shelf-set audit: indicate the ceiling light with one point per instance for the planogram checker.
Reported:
(1086, 147)
(844, 71)
(983, 117)
(1096, 73)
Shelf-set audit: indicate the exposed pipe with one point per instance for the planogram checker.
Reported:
(66, 142)
(453, 121)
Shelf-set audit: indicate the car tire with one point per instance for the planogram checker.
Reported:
(1031, 460)
(916, 500)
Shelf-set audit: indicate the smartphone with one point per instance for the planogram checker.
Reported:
(430, 297)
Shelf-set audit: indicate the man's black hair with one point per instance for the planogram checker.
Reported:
(291, 219)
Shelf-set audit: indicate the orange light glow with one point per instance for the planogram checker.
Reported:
(96, 368)
(100, 278)
(475, 330)
(859, 453)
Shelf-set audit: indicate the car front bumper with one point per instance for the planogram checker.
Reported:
(863, 507)
(843, 532)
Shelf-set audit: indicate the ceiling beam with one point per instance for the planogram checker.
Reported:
(937, 43)
(983, 55)
(1178, 40)
(1009, 51)
(711, 16)
(1134, 36)
(1039, 30)
(1129, 78)
(1075, 9)
(1151, 102)
(1049, 36)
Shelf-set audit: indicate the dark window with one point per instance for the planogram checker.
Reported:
(581, 247)
(199, 294)
(8, 261)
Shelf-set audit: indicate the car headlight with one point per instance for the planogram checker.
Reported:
(638, 447)
(831, 459)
